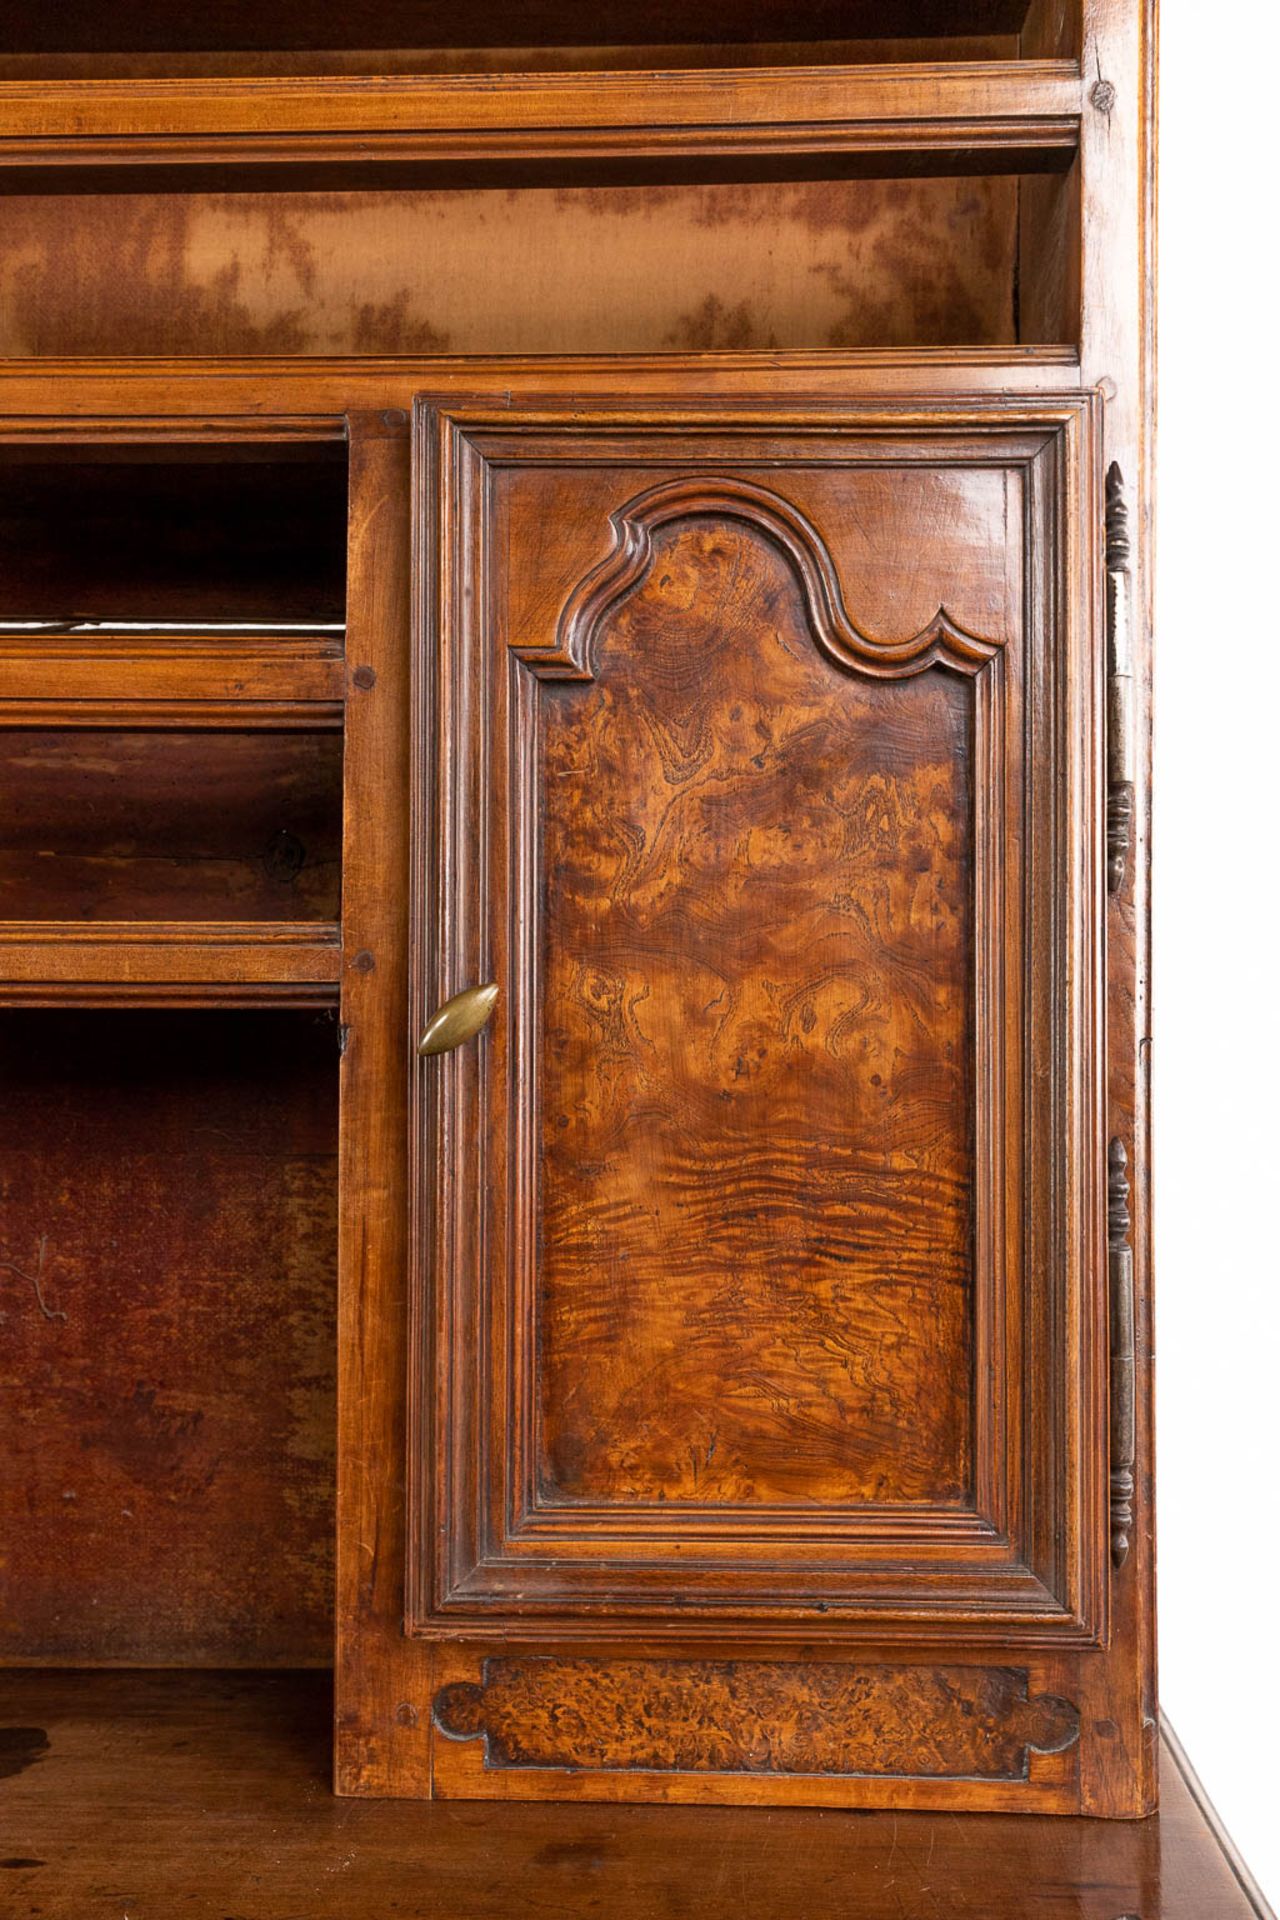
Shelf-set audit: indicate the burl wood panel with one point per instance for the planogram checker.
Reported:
(756, 1056)
(109, 824)
(828, 264)
(742, 1716)
(167, 1347)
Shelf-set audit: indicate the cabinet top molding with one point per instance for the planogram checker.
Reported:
(959, 116)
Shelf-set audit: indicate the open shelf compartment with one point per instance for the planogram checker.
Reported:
(168, 1246)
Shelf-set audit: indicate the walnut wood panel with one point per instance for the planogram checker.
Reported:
(810, 121)
(755, 1164)
(382, 1719)
(116, 400)
(695, 582)
(167, 1297)
(242, 1758)
(165, 825)
(1117, 188)
(840, 264)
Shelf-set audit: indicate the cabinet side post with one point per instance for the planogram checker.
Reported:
(383, 1683)
(1117, 160)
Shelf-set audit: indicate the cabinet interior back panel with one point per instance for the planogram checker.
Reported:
(153, 824)
(168, 1201)
(830, 264)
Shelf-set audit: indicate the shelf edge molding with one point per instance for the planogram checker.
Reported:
(964, 116)
(170, 962)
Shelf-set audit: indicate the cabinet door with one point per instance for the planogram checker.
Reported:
(758, 1417)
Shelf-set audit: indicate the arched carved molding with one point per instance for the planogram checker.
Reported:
(942, 642)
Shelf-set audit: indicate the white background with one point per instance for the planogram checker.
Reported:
(1217, 909)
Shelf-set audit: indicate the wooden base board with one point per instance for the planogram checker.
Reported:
(149, 1794)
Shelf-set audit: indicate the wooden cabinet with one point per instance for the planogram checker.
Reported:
(655, 549)
(759, 1267)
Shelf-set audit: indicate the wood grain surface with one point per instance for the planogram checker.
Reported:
(515, 129)
(756, 1158)
(208, 1795)
(168, 1199)
(818, 264)
(170, 825)
(736, 732)
(739, 1716)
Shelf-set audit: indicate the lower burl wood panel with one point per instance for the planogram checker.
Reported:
(168, 1199)
(754, 1717)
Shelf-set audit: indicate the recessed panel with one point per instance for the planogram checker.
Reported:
(747, 1240)
(755, 1055)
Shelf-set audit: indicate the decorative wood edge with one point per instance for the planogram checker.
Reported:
(942, 642)
(292, 716)
(1123, 1402)
(39, 425)
(173, 680)
(506, 129)
(771, 1718)
(1120, 726)
(297, 996)
(205, 933)
(1023, 374)
(1011, 110)
(45, 961)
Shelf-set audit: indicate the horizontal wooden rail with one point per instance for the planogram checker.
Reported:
(178, 680)
(964, 116)
(169, 962)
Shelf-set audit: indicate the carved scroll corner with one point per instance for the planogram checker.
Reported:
(459, 1710)
(1051, 1723)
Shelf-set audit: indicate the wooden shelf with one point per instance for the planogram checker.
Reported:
(219, 1781)
(108, 963)
(458, 129)
(172, 680)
